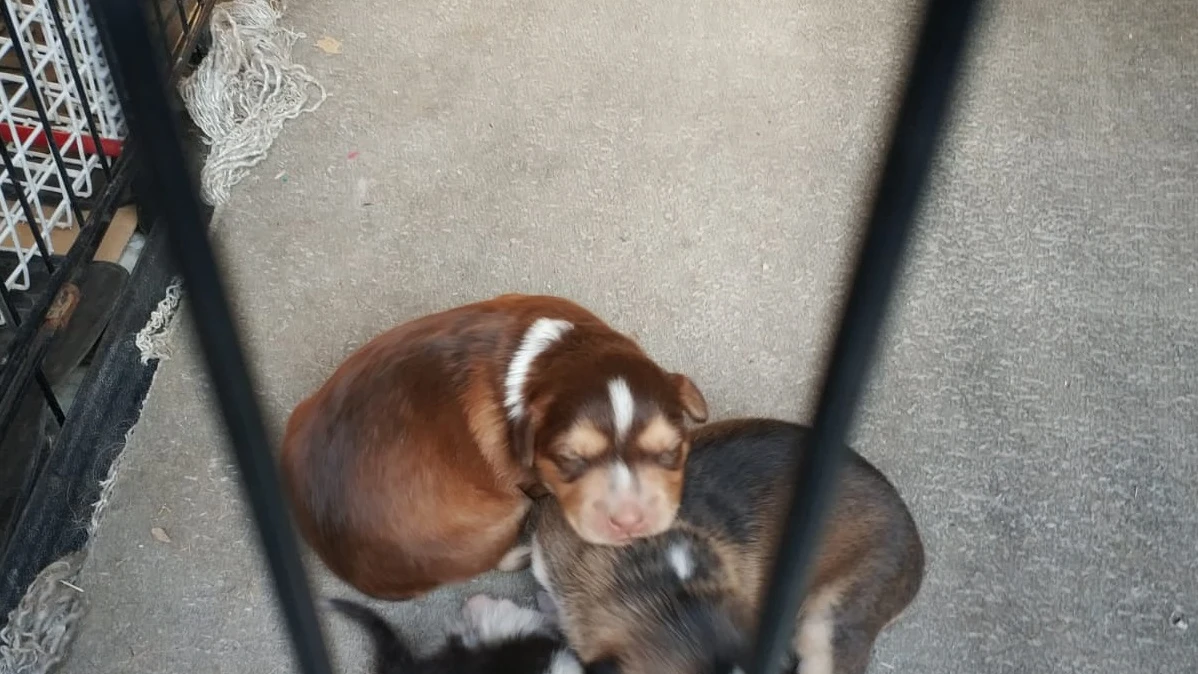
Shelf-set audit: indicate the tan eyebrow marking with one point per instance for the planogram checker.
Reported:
(658, 436)
(585, 440)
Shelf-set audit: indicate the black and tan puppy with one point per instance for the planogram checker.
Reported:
(686, 601)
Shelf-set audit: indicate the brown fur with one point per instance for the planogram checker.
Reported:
(623, 603)
(404, 470)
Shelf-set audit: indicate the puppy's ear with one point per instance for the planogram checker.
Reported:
(524, 441)
(692, 399)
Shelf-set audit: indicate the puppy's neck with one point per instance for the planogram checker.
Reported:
(699, 621)
(702, 634)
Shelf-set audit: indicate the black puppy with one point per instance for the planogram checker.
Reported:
(495, 637)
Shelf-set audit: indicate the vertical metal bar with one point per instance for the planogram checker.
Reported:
(891, 218)
(64, 177)
(182, 17)
(34, 222)
(11, 314)
(51, 398)
(160, 18)
(24, 348)
(108, 403)
(28, 367)
(175, 199)
(93, 130)
(187, 47)
(10, 310)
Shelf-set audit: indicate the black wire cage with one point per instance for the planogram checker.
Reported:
(81, 267)
(156, 162)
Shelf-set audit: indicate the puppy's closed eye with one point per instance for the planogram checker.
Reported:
(570, 466)
(668, 459)
(661, 443)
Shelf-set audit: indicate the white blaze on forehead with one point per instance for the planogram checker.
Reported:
(622, 407)
(680, 559)
(622, 480)
(542, 334)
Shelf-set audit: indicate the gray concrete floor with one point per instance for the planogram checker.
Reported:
(691, 171)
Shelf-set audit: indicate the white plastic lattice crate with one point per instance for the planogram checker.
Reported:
(35, 65)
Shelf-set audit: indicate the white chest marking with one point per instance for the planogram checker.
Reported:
(680, 559)
(622, 406)
(542, 334)
(564, 662)
(538, 566)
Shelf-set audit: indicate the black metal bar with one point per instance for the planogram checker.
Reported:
(26, 207)
(181, 64)
(183, 17)
(912, 145)
(60, 416)
(11, 314)
(64, 177)
(93, 130)
(28, 367)
(167, 50)
(53, 522)
(14, 374)
(173, 197)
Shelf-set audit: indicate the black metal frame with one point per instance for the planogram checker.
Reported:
(61, 478)
(891, 218)
(175, 199)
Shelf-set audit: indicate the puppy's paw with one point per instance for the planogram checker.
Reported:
(493, 621)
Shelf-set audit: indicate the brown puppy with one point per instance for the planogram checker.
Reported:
(409, 468)
(686, 601)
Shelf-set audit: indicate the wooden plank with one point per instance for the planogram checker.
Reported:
(124, 223)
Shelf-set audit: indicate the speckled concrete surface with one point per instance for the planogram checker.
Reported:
(691, 172)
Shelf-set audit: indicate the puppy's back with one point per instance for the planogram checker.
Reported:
(871, 562)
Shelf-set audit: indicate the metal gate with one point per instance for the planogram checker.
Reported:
(67, 219)
(173, 200)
